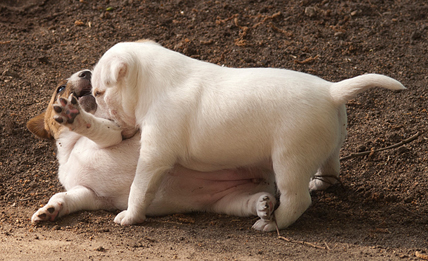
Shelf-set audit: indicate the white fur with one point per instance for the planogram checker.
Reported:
(207, 117)
(97, 168)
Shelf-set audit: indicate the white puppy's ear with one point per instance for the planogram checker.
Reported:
(110, 71)
(117, 72)
(119, 69)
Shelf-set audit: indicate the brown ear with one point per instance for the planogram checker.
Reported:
(37, 126)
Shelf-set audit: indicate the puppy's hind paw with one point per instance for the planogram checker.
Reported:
(47, 213)
(66, 110)
(265, 206)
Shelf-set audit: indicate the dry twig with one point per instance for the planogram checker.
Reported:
(300, 242)
(308, 60)
(372, 151)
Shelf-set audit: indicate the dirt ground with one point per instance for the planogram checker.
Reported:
(380, 211)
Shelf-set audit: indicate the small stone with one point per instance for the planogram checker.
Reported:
(79, 23)
(310, 11)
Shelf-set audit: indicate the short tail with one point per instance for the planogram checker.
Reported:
(347, 89)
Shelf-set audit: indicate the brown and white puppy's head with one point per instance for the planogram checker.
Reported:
(79, 84)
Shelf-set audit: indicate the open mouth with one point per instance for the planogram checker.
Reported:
(84, 88)
(86, 99)
(84, 92)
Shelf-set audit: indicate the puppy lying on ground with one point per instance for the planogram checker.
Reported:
(98, 176)
(207, 118)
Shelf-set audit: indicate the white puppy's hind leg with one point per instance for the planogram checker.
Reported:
(292, 178)
(327, 174)
(64, 203)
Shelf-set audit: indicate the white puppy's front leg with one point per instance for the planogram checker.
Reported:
(143, 190)
(148, 177)
(64, 203)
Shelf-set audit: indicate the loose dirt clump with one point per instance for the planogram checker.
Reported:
(379, 212)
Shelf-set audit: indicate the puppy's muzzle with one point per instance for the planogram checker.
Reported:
(83, 91)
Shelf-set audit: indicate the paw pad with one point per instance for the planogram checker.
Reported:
(265, 207)
(66, 110)
(46, 213)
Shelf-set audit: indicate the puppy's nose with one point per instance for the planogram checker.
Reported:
(85, 75)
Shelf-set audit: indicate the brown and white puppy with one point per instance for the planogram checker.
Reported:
(99, 176)
(207, 117)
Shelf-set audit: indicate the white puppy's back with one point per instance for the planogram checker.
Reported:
(195, 101)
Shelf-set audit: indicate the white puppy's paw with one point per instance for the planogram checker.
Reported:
(124, 218)
(265, 206)
(66, 110)
(322, 182)
(47, 213)
(264, 225)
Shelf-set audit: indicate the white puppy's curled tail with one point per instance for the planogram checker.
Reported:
(347, 89)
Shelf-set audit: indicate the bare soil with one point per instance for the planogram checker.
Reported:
(379, 212)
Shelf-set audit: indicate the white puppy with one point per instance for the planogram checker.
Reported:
(207, 117)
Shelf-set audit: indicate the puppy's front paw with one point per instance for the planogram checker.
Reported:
(47, 213)
(66, 109)
(124, 218)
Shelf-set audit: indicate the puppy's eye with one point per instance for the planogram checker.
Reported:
(60, 89)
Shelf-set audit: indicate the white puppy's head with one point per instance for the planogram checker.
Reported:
(114, 81)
